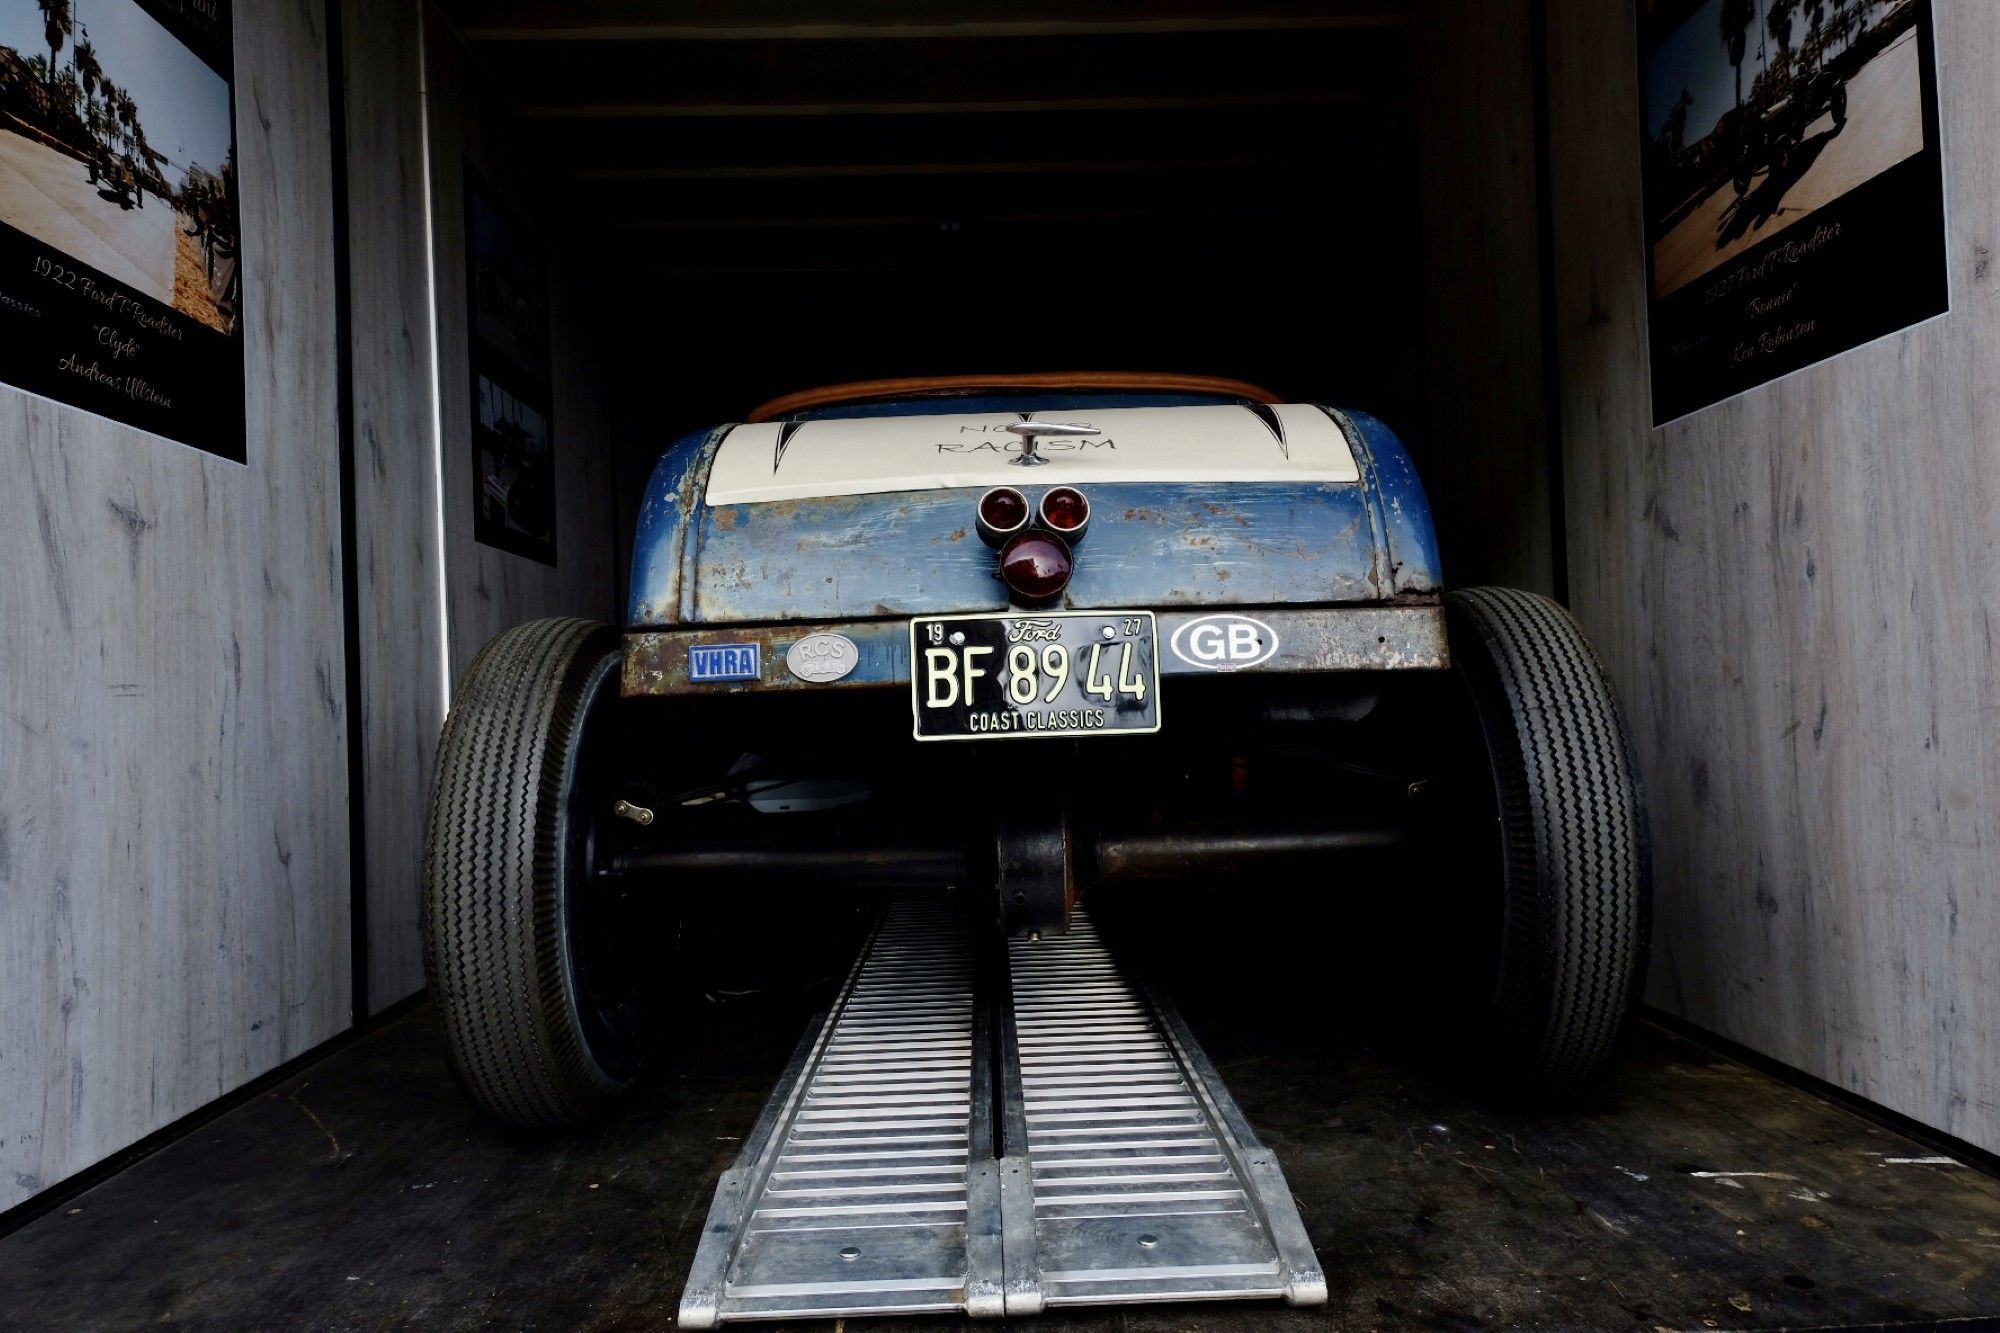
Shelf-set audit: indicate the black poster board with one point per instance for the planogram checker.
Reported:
(507, 322)
(120, 282)
(1794, 186)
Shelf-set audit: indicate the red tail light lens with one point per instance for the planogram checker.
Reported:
(1036, 565)
(1064, 510)
(1003, 511)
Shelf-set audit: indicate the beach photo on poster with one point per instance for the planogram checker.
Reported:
(118, 150)
(1759, 113)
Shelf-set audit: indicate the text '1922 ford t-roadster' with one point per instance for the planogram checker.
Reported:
(1026, 638)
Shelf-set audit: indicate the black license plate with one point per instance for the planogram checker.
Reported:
(1054, 674)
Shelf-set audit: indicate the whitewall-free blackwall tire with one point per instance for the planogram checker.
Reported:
(542, 1032)
(1564, 862)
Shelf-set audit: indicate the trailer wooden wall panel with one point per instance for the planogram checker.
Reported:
(1795, 591)
(398, 539)
(415, 112)
(1485, 449)
(173, 784)
(492, 589)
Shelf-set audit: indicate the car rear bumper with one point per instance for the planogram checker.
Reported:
(1310, 640)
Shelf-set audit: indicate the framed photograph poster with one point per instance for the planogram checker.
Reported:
(513, 446)
(120, 281)
(1794, 187)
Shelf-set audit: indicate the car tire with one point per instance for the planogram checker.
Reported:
(1561, 916)
(1839, 106)
(1748, 154)
(537, 1038)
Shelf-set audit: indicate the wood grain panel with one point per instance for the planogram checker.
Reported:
(1485, 451)
(398, 541)
(429, 595)
(173, 856)
(1795, 591)
(491, 590)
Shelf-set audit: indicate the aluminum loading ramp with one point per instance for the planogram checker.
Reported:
(995, 1133)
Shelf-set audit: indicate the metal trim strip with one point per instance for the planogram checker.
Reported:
(1311, 641)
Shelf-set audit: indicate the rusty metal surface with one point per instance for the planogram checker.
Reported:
(1406, 541)
(918, 552)
(659, 551)
(1054, 858)
(656, 661)
(1318, 639)
(1151, 544)
(1154, 854)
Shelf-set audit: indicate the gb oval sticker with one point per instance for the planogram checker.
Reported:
(822, 657)
(1224, 643)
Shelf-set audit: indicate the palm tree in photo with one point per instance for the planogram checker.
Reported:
(96, 120)
(1737, 16)
(57, 24)
(125, 111)
(63, 90)
(89, 72)
(1779, 20)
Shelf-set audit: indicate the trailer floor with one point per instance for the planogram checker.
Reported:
(1692, 1193)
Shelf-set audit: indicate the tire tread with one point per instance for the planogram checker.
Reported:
(495, 951)
(1578, 912)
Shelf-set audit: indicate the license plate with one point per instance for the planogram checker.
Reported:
(1016, 674)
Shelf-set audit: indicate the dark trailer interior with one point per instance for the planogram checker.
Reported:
(769, 200)
(226, 1097)
(1021, 192)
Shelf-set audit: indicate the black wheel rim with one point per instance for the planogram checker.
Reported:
(616, 941)
(1471, 832)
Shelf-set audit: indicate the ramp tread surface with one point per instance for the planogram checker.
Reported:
(879, 1180)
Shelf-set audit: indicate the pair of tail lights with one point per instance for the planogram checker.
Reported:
(1036, 558)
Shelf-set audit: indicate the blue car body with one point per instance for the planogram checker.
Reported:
(898, 554)
(768, 572)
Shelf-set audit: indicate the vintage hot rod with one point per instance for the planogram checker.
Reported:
(1027, 636)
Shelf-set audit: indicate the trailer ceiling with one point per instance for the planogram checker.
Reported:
(1192, 185)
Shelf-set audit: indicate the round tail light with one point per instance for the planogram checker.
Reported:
(1003, 511)
(1066, 512)
(1036, 565)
